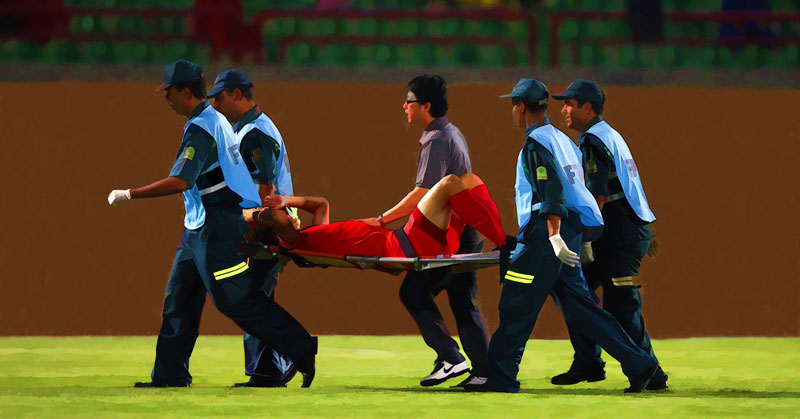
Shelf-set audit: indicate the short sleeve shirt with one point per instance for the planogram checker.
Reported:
(259, 151)
(197, 153)
(443, 152)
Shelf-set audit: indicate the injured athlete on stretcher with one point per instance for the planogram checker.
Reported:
(432, 229)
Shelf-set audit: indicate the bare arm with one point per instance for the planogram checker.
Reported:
(600, 201)
(167, 186)
(403, 208)
(553, 225)
(316, 205)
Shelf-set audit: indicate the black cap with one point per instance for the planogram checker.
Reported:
(229, 78)
(530, 91)
(584, 91)
(178, 72)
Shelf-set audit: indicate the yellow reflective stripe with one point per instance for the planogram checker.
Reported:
(625, 280)
(225, 273)
(515, 279)
(519, 275)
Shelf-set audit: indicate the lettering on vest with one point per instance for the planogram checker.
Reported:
(574, 171)
(631, 166)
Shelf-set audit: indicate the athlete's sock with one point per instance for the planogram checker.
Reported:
(476, 208)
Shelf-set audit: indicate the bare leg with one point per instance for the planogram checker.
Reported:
(435, 205)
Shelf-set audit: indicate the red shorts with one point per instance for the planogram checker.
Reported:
(359, 238)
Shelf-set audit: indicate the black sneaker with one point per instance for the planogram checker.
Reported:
(443, 371)
(642, 380)
(151, 384)
(658, 382)
(577, 374)
(472, 380)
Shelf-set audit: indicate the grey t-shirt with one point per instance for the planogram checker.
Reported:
(443, 152)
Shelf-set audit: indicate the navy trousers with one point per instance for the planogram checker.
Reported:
(618, 253)
(260, 358)
(540, 273)
(207, 260)
(417, 293)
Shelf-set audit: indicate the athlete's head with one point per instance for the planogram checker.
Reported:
(426, 99)
(528, 102)
(184, 85)
(583, 100)
(232, 94)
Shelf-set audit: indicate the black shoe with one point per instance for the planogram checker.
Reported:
(642, 380)
(261, 382)
(472, 380)
(505, 255)
(307, 365)
(658, 382)
(576, 375)
(150, 384)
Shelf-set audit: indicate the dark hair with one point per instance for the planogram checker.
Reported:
(247, 91)
(197, 87)
(596, 107)
(531, 108)
(430, 88)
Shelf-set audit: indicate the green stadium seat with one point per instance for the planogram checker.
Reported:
(665, 57)
(445, 27)
(405, 56)
(425, 55)
(299, 54)
(517, 30)
(723, 57)
(369, 27)
(466, 55)
(56, 52)
(492, 56)
(568, 31)
(444, 56)
(98, 52)
(565, 56)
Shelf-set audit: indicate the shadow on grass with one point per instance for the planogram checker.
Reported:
(691, 393)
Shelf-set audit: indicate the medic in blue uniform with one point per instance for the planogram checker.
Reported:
(216, 187)
(264, 153)
(553, 209)
(613, 260)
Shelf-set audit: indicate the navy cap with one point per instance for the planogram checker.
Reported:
(229, 78)
(584, 91)
(178, 72)
(529, 91)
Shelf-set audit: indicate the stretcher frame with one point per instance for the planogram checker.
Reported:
(306, 259)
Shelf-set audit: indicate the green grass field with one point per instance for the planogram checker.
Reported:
(378, 377)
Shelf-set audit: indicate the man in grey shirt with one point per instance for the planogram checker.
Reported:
(443, 152)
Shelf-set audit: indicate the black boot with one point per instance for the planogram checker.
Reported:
(307, 364)
(577, 374)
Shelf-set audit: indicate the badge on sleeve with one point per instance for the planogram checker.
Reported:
(258, 155)
(541, 173)
(188, 154)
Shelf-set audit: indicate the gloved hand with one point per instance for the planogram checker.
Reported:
(566, 256)
(116, 196)
(587, 254)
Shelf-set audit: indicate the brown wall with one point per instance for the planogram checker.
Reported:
(719, 166)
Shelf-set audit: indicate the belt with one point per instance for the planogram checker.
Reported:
(615, 196)
(214, 188)
(405, 244)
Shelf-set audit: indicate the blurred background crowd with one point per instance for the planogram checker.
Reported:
(606, 34)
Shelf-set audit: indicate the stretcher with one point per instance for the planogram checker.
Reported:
(393, 265)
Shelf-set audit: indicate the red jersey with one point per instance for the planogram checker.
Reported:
(359, 238)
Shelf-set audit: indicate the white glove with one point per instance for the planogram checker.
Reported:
(566, 256)
(587, 254)
(116, 196)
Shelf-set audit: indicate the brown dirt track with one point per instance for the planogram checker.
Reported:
(719, 166)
